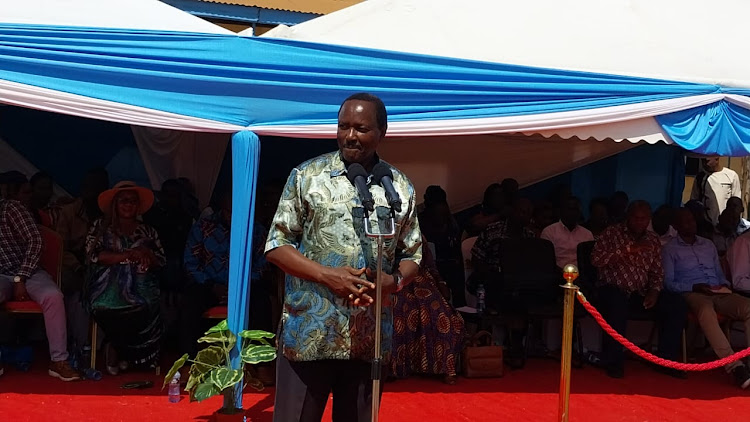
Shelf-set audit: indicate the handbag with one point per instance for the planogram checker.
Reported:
(481, 359)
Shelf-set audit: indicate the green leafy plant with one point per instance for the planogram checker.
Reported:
(211, 372)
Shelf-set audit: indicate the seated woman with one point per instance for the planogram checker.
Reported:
(428, 333)
(122, 289)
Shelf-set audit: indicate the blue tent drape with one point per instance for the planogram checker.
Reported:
(245, 156)
(721, 128)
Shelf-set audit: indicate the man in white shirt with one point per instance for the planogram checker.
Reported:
(736, 204)
(566, 234)
(714, 186)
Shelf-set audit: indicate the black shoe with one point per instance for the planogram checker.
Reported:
(617, 372)
(674, 373)
(741, 376)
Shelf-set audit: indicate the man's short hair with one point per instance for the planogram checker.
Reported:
(638, 205)
(38, 177)
(381, 115)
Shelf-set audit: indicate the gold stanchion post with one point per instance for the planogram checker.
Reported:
(570, 273)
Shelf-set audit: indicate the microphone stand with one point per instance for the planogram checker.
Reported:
(376, 362)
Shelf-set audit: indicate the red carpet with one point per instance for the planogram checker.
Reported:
(526, 395)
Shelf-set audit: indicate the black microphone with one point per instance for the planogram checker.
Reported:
(382, 175)
(357, 175)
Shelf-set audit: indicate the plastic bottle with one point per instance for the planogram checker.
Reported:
(92, 374)
(174, 389)
(480, 298)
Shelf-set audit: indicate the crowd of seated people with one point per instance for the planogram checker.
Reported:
(124, 248)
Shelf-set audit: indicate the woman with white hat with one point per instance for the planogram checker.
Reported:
(122, 289)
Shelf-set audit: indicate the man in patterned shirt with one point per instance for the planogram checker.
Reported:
(317, 237)
(631, 275)
(21, 279)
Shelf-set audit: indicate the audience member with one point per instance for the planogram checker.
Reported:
(491, 211)
(726, 231)
(440, 229)
(661, 224)
(170, 219)
(566, 234)
(618, 205)
(738, 257)
(122, 288)
(542, 217)
(692, 268)
(598, 217)
(631, 277)
(713, 186)
(705, 228)
(207, 266)
(73, 225)
(45, 213)
(18, 189)
(190, 202)
(486, 258)
(431, 342)
(735, 203)
(21, 279)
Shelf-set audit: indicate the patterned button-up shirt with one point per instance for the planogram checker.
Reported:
(20, 240)
(630, 271)
(486, 249)
(321, 215)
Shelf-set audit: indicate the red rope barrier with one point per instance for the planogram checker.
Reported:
(653, 358)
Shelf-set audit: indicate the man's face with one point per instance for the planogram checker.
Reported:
(685, 223)
(523, 211)
(358, 133)
(638, 220)
(42, 191)
(570, 213)
(711, 163)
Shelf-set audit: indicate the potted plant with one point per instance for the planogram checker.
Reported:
(211, 372)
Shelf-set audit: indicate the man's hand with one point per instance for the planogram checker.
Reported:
(389, 282)
(346, 282)
(19, 292)
(651, 298)
(702, 288)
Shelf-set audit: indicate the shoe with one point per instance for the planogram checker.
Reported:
(617, 372)
(450, 379)
(741, 376)
(63, 371)
(110, 359)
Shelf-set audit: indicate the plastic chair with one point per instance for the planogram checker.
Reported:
(51, 262)
(216, 312)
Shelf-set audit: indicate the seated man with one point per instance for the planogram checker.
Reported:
(735, 203)
(21, 279)
(691, 268)
(661, 224)
(207, 267)
(725, 232)
(73, 224)
(566, 234)
(738, 257)
(628, 257)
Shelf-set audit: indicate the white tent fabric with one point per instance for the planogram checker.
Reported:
(465, 165)
(133, 14)
(169, 154)
(665, 39)
(10, 159)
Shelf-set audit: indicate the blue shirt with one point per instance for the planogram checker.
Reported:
(686, 265)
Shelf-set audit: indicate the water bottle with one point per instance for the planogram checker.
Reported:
(174, 389)
(480, 298)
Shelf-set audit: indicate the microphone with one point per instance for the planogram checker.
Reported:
(383, 175)
(357, 175)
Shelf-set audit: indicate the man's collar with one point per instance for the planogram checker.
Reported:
(682, 242)
(338, 165)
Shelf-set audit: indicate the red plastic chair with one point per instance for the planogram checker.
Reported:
(51, 262)
(216, 312)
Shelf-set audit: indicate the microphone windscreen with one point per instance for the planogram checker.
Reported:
(380, 171)
(355, 170)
